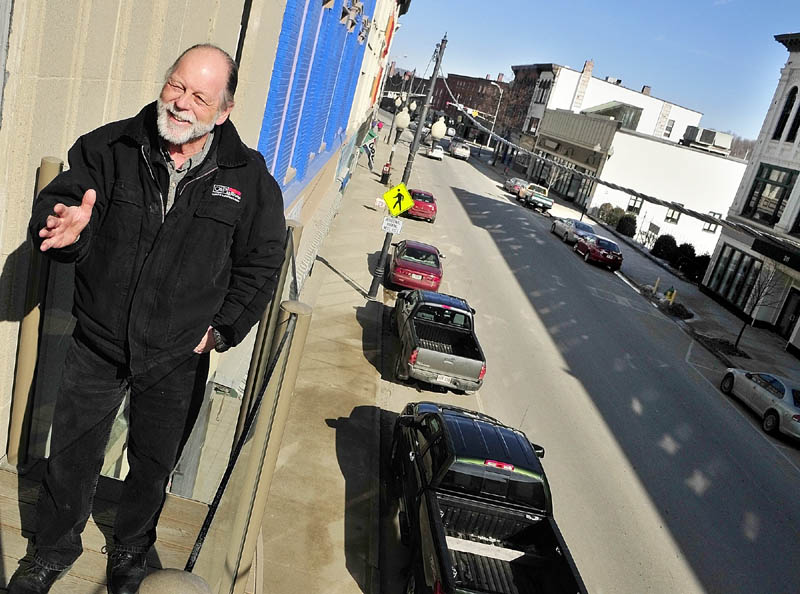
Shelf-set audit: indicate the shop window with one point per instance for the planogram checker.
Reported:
(635, 205)
(712, 227)
(673, 215)
(768, 196)
(784, 117)
(735, 273)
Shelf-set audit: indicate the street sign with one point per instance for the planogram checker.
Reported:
(392, 225)
(398, 199)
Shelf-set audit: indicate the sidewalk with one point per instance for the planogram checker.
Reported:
(321, 529)
(712, 320)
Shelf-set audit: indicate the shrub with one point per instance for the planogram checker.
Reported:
(664, 247)
(604, 210)
(682, 257)
(627, 225)
(697, 270)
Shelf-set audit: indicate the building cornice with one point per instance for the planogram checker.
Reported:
(791, 41)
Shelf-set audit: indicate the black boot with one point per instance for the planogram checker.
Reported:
(34, 579)
(126, 571)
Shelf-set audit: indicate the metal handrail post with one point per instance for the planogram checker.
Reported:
(266, 327)
(28, 341)
(269, 428)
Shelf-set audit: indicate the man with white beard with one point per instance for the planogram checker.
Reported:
(176, 230)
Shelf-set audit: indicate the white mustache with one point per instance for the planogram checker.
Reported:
(183, 116)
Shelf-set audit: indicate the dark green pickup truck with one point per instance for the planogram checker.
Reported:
(475, 506)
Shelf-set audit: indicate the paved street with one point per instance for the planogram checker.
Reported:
(660, 483)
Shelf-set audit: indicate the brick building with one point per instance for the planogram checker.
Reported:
(481, 95)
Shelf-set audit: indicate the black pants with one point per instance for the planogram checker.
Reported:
(164, 403)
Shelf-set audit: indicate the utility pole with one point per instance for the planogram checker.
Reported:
(424, 113)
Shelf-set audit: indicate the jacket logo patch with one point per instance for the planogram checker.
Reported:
(226, 192)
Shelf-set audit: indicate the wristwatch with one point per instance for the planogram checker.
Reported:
(220, 344)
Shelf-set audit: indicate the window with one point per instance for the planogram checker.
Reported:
(784, 117)
(769, 193)
(712, 227)
(734, 275)
(673, 214)
(668, 129)
(534, 125)
(792, 135)
(635, 205)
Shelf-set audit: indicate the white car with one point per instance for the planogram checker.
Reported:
(436, 152)
(459, 150)
(570, 230)
(775, 399)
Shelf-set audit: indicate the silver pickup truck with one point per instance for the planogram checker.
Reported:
(437, 341)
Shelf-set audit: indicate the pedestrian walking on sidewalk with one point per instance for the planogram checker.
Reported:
(177, 231)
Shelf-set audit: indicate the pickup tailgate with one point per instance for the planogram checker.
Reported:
(495, 550)
(448, 352)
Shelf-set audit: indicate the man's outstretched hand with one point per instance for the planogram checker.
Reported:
(65, 225)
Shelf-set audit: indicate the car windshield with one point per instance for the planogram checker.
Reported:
(607, 245)
(515, 488)
(583, 227)
(446, 317)
(412, 254)
(422, 197)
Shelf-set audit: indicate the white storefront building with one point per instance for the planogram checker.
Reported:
(698, 180)
(766, 210)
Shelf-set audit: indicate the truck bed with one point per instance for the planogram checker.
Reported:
(437, 338)
(498, 551)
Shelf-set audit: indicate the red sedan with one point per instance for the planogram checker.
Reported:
(598, 249)
(415, 265)
(424, 205)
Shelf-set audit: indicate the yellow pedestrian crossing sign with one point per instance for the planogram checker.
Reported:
(398, 199)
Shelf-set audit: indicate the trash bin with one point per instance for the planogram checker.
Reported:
(387, 169)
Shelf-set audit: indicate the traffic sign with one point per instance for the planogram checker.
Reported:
(392, 225)
(398, 199)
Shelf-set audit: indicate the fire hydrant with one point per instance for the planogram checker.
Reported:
(387, 169)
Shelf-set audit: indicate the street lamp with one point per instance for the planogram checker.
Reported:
(402, 121)
(439, 129)
(496, 111)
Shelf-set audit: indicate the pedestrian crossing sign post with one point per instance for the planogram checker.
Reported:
(398, 200)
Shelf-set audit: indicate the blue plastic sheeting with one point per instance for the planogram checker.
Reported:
(313, 83)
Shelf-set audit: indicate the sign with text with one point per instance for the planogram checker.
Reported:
(392, 225)
(398, 199)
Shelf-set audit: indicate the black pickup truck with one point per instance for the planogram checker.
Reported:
(475, 506)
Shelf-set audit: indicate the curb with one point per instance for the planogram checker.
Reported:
(373, 555)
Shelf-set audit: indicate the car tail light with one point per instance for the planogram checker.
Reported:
(796, 418)
(437, 588)
(500, 465)
(483, 372)
(413, 357)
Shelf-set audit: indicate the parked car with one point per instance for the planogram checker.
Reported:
(475, 502)
(424, 206)
(535, 196)
(598, 249)
(436, 152)
(415, 265)
(570, 230)
(438, 344)
(514, 185)
(459, 150)
(775, 399)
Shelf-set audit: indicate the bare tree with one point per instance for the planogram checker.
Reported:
(766, 292)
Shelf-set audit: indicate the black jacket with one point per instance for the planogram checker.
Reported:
(147, 286)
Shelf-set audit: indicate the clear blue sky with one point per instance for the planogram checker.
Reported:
(718, 57)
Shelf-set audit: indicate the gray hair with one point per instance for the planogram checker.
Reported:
(233, 71)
